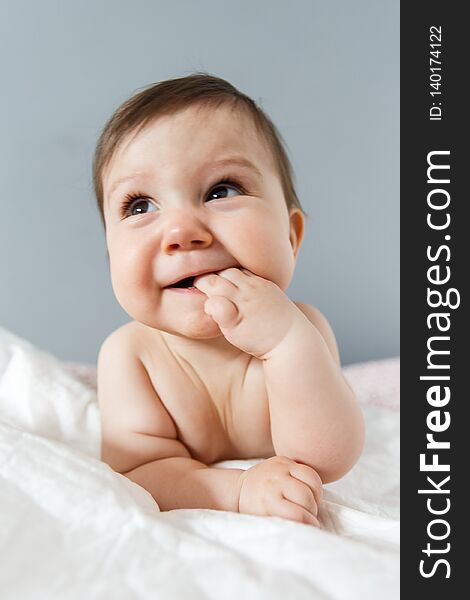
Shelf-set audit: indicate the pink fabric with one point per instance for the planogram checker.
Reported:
(84, 372)
(375, 382)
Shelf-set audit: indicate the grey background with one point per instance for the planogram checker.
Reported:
(326, 72)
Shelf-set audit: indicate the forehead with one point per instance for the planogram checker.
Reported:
(187, 140)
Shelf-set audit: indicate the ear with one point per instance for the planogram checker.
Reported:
(296, 229)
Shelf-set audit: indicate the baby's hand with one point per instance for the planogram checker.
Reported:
(253, 313)
(280, 487)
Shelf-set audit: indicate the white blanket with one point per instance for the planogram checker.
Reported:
(70, 527)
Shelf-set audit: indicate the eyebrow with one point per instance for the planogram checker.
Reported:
(238, 161)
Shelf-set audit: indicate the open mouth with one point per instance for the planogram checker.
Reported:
(184, 283)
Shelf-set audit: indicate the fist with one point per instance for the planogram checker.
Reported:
(280, 487)
(253, 313)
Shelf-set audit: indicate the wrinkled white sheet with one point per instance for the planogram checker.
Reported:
(72, 528)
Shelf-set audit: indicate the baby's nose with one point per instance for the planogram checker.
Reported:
(185, 234)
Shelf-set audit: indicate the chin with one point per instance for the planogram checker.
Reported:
(202, 328)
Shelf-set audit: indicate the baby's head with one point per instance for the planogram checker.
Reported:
(191, 176)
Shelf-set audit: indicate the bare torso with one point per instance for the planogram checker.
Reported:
(218, 407)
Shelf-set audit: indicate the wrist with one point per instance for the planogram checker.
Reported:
(292, 339)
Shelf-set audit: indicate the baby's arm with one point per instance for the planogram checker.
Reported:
(139, 437)
(315, 417)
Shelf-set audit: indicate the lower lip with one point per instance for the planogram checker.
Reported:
(191, 290)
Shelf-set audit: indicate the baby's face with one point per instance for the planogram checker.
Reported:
(187, 219)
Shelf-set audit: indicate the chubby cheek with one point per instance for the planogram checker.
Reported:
(132, 281)
(266, 251)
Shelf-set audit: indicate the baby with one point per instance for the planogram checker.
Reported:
(203, 228)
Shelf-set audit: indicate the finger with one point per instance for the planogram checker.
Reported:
(213, 284)
(310, 477)
(236, 276)
(223, 311)
(289, 510)
(300, 493)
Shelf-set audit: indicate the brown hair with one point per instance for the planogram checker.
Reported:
(170, 96)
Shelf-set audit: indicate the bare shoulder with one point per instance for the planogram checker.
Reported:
(321, 323)
(127, 335)
(127, 341)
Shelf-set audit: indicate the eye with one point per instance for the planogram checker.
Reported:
(223, 189)
(135, 204)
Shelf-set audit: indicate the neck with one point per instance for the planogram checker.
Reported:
(208, 352)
